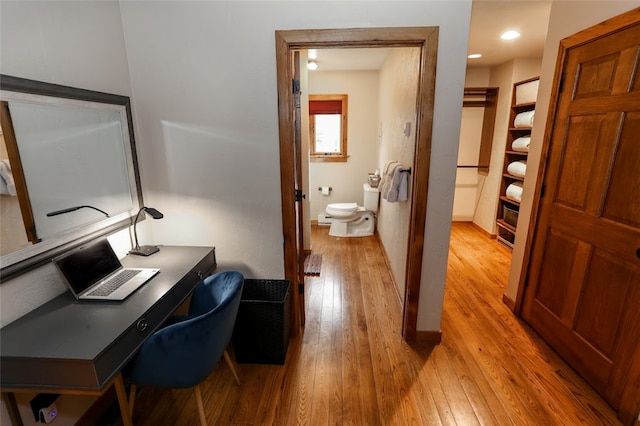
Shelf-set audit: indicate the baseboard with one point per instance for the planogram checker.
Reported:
(511, 304)
(484, 231)
(387, 264)
(434, 337)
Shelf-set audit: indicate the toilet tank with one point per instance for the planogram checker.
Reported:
(371, 198)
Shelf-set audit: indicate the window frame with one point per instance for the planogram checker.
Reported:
(341, 156)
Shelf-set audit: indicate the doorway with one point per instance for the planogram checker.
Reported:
(425, 38)
(381, 86)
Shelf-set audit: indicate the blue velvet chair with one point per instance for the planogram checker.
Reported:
(183, 353)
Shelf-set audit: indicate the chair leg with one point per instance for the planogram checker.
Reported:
(132, 398)
(121, 393)
(203, 419)
(233, 369)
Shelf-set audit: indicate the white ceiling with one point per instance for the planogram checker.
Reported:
(489, 19)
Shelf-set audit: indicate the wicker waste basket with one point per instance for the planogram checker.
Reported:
(261, 333)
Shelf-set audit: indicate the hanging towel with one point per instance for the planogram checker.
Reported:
(7, 185)
(403, 189)
(387, 178)
(398, 180)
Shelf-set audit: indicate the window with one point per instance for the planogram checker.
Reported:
(328, 127)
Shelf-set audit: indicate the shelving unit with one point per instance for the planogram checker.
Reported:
(522, 101)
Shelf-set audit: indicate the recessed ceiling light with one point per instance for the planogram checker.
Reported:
(312, 65)
(474, 56)
(312, 53)
(510, 35)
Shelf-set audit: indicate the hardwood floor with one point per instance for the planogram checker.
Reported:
(351, 365)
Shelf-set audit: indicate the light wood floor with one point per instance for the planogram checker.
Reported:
(351, 365)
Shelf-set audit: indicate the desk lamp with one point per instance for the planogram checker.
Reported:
(144, 250)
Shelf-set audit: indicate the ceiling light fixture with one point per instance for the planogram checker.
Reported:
(510, 35)
(312, 53)
(474, 56)
(312, 65)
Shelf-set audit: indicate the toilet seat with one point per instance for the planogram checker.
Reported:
(342, 209)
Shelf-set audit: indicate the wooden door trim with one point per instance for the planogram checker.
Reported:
(629, 405)
(426, 38)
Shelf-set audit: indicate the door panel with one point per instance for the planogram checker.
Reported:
(623, 203)
(597, 319)
(580, 147)
(584, 277)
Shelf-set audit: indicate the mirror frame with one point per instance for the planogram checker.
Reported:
(34, 256)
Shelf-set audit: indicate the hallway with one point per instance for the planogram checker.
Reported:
(351, 365)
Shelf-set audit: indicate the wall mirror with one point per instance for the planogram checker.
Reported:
(68, 170)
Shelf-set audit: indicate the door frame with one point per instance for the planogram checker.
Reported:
(425, 38)
(630, 405)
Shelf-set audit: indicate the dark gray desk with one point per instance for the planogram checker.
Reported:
(68, 346)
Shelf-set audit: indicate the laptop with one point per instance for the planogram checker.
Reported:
(94, 272)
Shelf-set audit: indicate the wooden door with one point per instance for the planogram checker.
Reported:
(583, 294)
(297, 148)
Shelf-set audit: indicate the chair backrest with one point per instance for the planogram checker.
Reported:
(184, 353)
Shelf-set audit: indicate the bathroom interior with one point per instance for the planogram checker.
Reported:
(381, 85)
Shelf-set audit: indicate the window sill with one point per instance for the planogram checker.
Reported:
(327, 159)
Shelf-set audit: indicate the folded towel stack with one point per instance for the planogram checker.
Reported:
(524, 119)
(514, 191)
(517, 168)
(521, 144)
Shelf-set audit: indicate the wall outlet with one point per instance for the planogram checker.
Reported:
(48, 414)
(44, 408)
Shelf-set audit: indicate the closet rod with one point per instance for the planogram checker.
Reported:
(471, 167)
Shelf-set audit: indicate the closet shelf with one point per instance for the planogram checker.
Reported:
(501, 223)
(524, 106)
(512, 177)
(508, 209)
(509, 200)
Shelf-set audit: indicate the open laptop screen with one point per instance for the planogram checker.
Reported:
(88, 264)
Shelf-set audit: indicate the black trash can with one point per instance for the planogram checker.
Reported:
(261, 332)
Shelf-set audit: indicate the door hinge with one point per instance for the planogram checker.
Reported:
(561, 85)
(300, 288)
(295, 86)
(542, 191)
(299, 195)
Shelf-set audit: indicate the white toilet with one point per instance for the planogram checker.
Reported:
(352, 220)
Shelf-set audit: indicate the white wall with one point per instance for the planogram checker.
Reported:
(78, 44)
(208, 120)
(398, 89)
(74, 44)
(203, 83)
(468, 180)
(566, 18)
(346, 178)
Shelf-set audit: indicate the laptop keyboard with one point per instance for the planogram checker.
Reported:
(114, 283)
